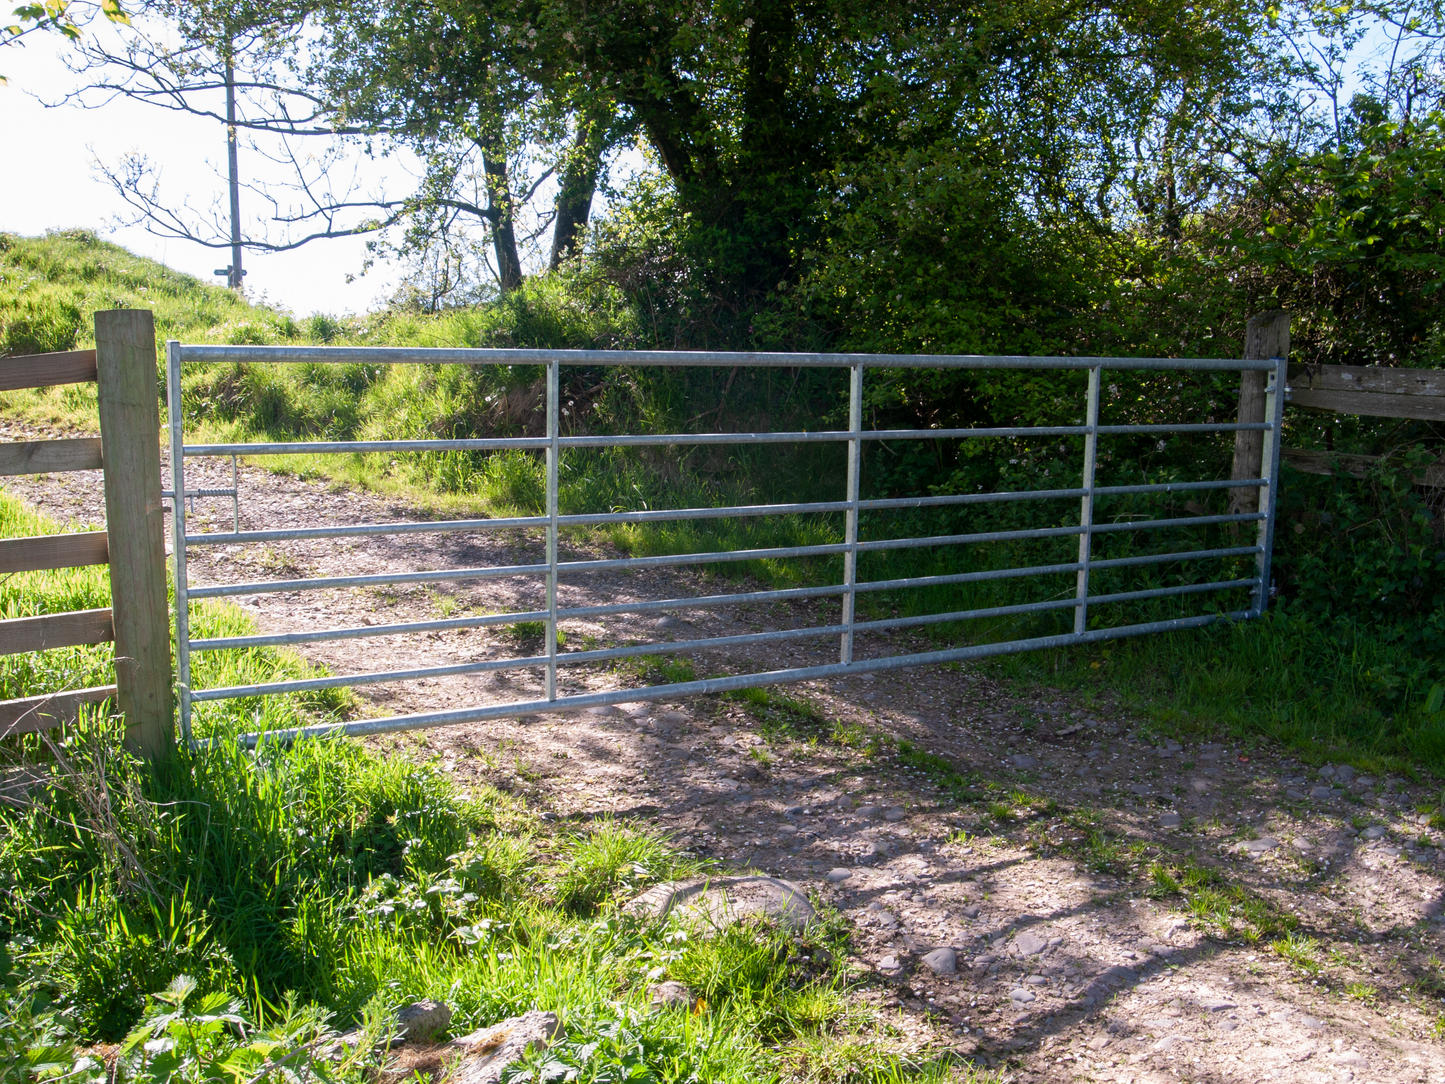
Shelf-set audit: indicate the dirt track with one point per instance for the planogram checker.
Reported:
(1065, 968)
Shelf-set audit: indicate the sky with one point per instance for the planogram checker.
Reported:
(48, 183)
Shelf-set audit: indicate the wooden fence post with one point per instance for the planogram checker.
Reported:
(1265, 336)
(125, 355)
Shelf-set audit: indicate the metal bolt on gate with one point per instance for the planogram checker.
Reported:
(851, 506)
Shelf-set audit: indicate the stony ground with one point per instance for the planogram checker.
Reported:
(1111, 904)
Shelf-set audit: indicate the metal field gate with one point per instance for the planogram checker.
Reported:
(846, 629)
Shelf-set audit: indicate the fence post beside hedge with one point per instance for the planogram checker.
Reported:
(125, 352)
(1265, 336)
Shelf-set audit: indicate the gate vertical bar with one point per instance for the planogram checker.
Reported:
(552, 416)
(1274, 396)
(175, 418)
(855, 463)
(1086, 507)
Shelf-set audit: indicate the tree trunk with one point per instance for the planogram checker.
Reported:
(579, 182)
(501, 210)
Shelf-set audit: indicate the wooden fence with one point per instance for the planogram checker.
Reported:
(123, 365)
(1372, 391)
(1368, 390)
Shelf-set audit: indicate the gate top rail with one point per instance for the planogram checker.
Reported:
(436, 355)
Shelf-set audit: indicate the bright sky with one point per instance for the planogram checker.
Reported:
(48, 183)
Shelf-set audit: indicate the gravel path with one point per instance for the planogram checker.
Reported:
(1059, 962)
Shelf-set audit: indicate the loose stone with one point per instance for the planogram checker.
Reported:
(1030, 943)
(941, 961)
(488, 1052)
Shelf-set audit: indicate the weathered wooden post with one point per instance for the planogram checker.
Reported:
(125, 358)
(1265, 336)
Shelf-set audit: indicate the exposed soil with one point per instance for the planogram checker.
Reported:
(1066, 967)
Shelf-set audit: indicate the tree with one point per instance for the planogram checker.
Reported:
(480, 168)
(63, 17)
(755, 110)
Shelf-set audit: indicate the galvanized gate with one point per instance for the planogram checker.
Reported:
(846, 628)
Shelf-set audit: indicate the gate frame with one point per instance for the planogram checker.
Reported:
(1273, 369)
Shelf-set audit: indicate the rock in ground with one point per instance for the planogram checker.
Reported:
(422, 1020)
(671, 995)
(720, 901)
(1029, 943)
(485, 1053)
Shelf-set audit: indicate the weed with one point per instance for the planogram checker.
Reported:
(608, 859)
(1212, 901)
(780, 716)
(939, 771)
(1299, 950)
(1001, 812)
(1103, 853)
(1430, 982)
(1361, 991)
(659, 670)
(532, 635)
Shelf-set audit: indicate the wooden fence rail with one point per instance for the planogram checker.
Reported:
(123, 367)
(1369, 390)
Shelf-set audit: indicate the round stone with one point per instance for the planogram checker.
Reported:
(838, 874)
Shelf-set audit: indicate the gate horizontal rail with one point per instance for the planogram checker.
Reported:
(1079, 598)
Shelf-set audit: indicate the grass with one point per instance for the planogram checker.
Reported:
(1300, 951)
(1361, 991)
(782, 717)
(1231, 910)
(360, 883)
(221, 914)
